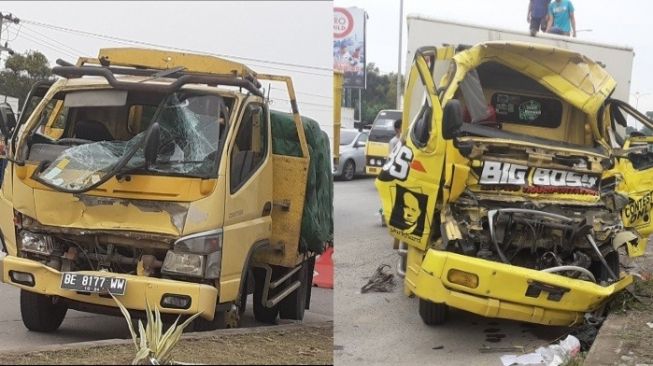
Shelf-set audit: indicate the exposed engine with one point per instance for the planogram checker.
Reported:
(576, 241)
(76, 250)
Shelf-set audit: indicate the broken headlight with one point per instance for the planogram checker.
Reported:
(197, 255)
(36, 243)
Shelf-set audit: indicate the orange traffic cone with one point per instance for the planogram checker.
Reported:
(323, 274)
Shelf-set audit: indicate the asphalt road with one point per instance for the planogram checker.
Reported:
(385, 328)
(82, 327)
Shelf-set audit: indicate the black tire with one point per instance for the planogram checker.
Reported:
(262, 313)
(433, 313)
(221, 320)
(41, 313)
(348, 170)
(294, 305)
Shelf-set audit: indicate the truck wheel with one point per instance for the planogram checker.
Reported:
(262, 313)
(221, 320)
(41, 313)
(433, 313)
(293, 306)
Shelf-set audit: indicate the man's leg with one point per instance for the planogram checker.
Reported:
(535, 25)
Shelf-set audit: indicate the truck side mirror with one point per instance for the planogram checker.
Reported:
(452, 119)
(7, 120)
(152, 140)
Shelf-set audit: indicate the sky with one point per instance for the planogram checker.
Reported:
(623, 22)
(296, 36)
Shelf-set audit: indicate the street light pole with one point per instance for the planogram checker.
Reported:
(401, 27)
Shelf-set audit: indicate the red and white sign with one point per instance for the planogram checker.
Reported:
(343, 22)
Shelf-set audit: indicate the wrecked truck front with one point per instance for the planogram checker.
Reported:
(93, 207)
(504, 210)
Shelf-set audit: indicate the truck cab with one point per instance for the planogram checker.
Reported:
(508, 191)
(151, 176)
(378, 147)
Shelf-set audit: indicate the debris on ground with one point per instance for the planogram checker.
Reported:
(438, 347)
(551, 355)
(381, 281)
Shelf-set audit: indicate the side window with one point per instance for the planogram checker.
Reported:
(251, 145)
(362, 138)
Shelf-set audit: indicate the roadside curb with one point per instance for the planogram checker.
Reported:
(186, 336)
(607, 346)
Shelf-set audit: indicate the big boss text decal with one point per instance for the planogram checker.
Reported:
(497, 175)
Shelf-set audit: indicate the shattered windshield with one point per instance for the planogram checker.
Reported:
(191, 125)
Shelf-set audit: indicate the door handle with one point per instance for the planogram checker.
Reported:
(267, 209)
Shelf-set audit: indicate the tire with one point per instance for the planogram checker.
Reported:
(262, 313)
(41, 313)
(294, 305)
(221, 320)
(433, 313)
(348, 171)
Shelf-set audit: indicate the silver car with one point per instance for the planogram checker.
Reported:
(352, 154)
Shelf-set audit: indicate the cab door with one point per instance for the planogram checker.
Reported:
(248, 201)
(410, 180)
(7, 228)
(632, 133)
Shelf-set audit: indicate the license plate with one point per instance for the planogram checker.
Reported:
(96, 284)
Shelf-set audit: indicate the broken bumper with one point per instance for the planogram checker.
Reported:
(47, 281)
(509, 292)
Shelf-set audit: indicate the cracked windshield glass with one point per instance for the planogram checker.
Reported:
(190, 129)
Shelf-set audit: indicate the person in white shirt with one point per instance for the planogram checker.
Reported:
(395, 140)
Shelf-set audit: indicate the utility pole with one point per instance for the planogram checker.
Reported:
(401, 27)
(12, 19)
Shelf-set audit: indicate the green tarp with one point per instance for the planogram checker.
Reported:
(317, 220)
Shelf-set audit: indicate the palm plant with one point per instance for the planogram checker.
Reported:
(152, 345)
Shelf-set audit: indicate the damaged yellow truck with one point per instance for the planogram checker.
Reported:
(162, 177)
(515, 190)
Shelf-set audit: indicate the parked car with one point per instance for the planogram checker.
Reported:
(352, 154)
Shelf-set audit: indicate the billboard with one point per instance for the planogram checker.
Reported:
(349, 45)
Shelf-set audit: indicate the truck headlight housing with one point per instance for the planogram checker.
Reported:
(36, 243)
(198, 255)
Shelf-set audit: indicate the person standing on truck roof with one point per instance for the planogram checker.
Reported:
(561, 18)
(537, 15)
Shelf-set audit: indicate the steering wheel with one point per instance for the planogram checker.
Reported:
(73, 141)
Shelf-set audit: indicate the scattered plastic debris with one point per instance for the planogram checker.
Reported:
(381, 281)
(650, 325)
(552, 355)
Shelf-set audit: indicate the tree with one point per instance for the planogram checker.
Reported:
(381, 93)
(21, 72)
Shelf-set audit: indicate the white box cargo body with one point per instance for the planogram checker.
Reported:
(425, 31)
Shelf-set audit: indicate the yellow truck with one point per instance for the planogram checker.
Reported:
(162, 177)
(514, 191)
(378, 143)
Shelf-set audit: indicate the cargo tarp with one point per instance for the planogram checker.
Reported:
(317, 219)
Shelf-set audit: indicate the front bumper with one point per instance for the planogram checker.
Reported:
(47, 281)
(511, 292)
(369, 170)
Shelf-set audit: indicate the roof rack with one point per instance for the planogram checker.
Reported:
(185, 68)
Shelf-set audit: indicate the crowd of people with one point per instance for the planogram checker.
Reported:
(555, 17)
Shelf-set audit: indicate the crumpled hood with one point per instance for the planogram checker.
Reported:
(106, 213)
(575, 78)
